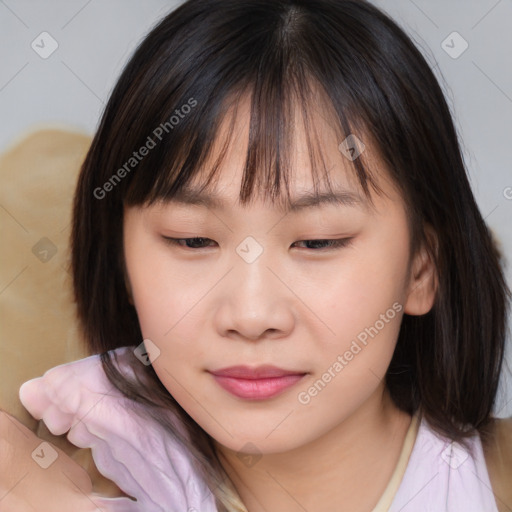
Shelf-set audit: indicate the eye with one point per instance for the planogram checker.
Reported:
(317, 244)
(325, 244)
(189, 243)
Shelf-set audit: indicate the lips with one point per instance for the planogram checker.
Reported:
(257, 383)
(258, 372)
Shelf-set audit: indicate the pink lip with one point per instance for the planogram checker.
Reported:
(256, 383)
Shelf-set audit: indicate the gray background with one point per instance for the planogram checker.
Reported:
(96, 37)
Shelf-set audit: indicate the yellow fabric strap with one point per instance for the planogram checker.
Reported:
(394, 483)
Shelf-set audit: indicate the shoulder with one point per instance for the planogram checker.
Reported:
(497, 447)
(496, 439)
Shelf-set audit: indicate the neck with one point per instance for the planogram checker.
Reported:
(348, 468)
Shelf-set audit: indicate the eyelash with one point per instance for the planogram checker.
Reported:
(337, 243)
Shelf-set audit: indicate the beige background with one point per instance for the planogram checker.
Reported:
(37, 317)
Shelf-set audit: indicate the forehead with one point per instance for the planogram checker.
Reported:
(317, 171)
(299, 202)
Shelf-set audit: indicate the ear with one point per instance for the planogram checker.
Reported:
(423, 278)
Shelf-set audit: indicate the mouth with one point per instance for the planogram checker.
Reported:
(257, 383)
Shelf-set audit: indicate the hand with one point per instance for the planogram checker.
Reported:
(27, 485)
(128, 446)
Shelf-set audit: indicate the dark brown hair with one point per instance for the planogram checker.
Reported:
(200, 59)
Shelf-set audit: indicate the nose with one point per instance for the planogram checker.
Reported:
(254, 303)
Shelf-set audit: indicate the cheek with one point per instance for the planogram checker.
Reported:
(161, 292)
(365, 308)
(165, 300)
(151, 297)
(351, 358)
(369, 284)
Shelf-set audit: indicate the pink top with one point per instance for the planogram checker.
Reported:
(147, 463)
(441, 476)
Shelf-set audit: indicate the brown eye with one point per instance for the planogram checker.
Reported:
(189, 243)
(325, 244)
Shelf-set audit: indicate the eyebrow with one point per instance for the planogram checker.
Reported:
(196, 197)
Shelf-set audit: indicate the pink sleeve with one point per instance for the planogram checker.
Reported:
(137, 453)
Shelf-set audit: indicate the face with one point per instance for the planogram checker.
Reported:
(318, 291)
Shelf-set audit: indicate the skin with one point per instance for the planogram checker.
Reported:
(296, 307)
(26, 486)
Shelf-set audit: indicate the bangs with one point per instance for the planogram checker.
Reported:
(276, 117)
(284, 99)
